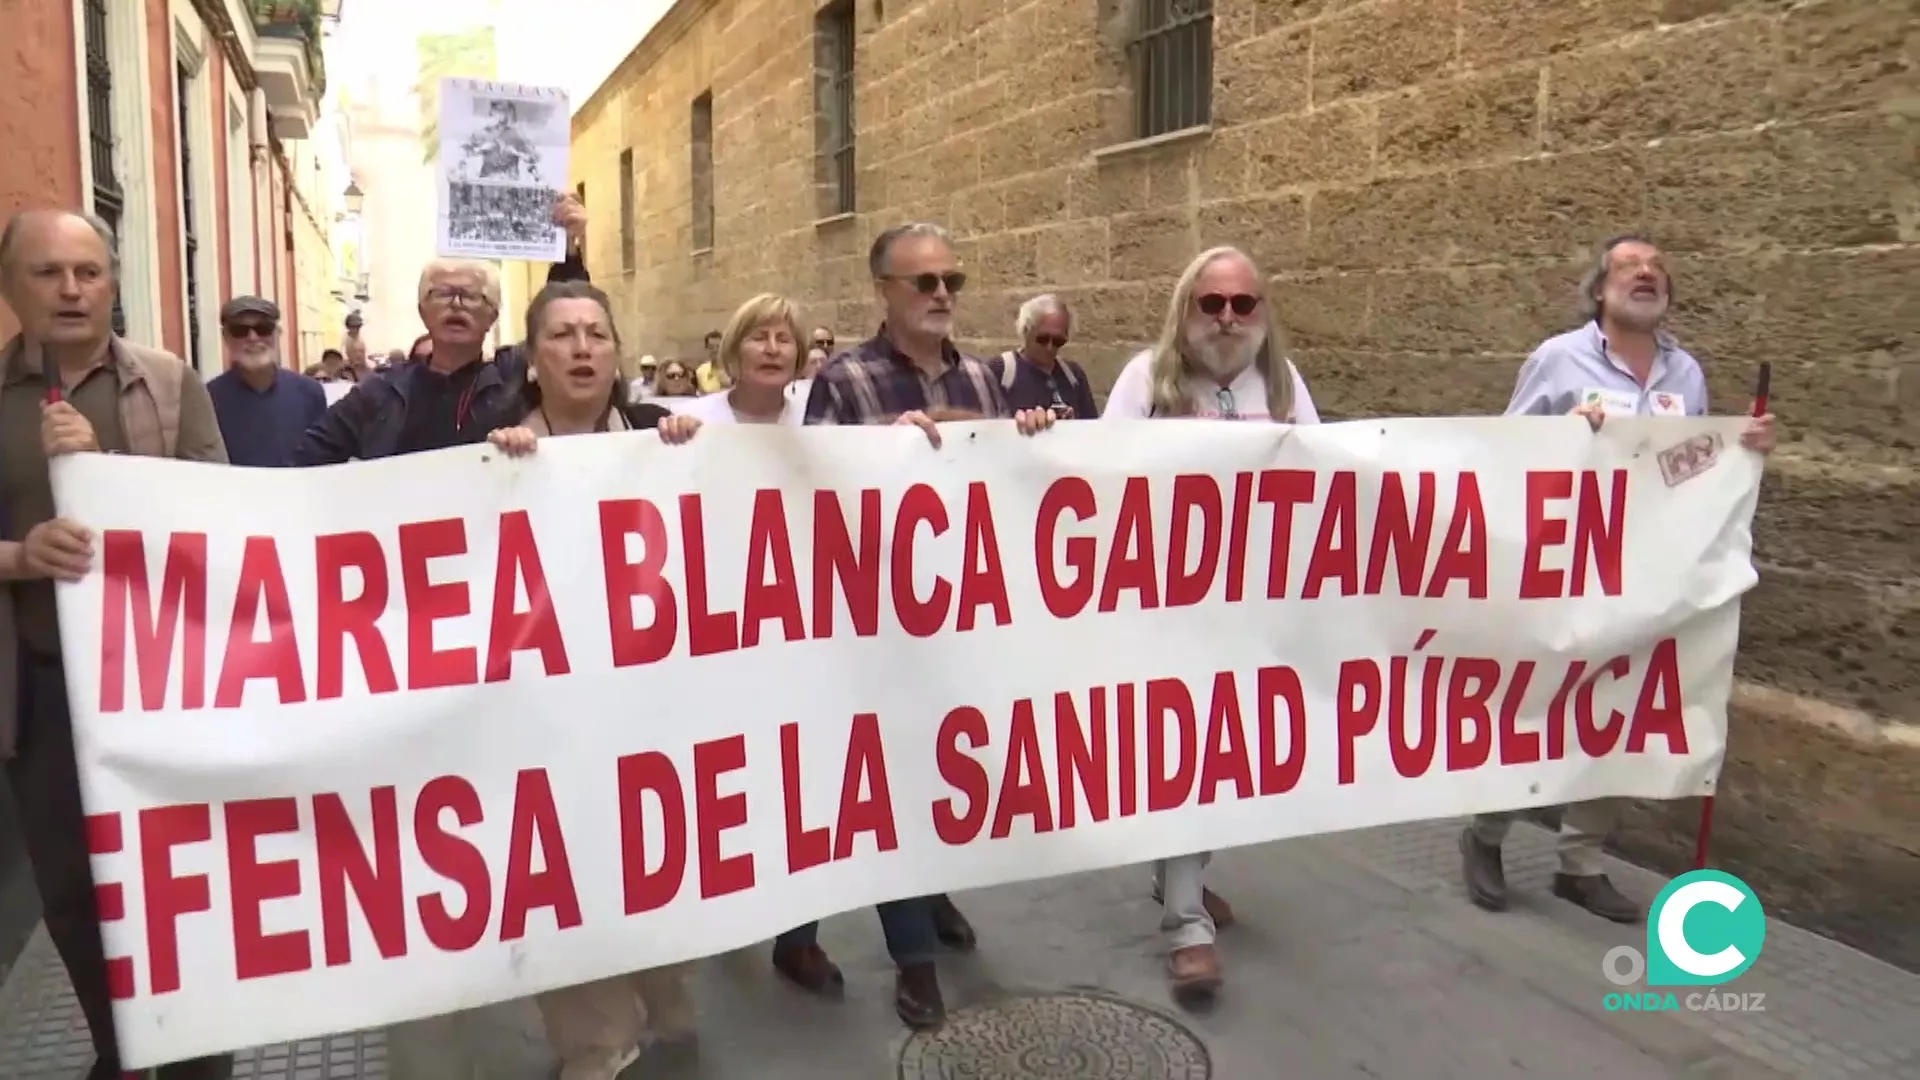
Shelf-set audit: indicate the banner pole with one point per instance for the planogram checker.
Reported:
(1762, 387)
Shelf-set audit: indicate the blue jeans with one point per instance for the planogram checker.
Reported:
(906, 924)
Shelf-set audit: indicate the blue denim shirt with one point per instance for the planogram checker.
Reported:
(1576, 368)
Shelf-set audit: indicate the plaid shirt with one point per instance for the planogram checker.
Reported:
(874, 383)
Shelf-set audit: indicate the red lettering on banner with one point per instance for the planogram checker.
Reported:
(454, 858)
(372, 870)
(511, 630)
(636, 642)
(1482, 704)
(338, 618)
(1598, 528)
(1380, 544)
(806, 847)
(866, 798)
(106, 836)
(251, 883)
(1083, 766)
(715, 813)
(176, 627)
(126, 599)
(770, 546)
(640, 775)
(168, 896)
(262, 586)
(536, 824)
(836, 560)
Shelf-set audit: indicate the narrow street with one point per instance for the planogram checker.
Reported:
(1356, 955)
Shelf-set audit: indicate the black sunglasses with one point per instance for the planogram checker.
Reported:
(241, 331)
(1215, 303)
(1050, 341)
(929, 284)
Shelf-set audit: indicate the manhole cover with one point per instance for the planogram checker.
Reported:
(1056, 1037)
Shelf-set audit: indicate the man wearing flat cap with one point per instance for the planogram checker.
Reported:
(263, 406)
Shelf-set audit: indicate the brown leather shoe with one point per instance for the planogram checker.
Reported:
(1218, 909)
(1597, 894)
(950, 926)
(809, 968)
(1194, 970)
(916, 997)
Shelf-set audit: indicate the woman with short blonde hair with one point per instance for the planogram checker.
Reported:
(760, 352)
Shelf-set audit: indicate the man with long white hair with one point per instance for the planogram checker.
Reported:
(1220, 355)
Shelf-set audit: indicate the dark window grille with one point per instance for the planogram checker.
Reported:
(109, 202)
(190, 240)
(834, 129)
(702, 139)
(1173, 66)
(629, 256)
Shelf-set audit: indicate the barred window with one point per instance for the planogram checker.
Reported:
(109, 203)
(833, 122)
(629, 257)
(703, 171)
(1172, 55)
(190, 237)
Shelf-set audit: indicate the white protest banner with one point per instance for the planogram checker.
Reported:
(377, 741)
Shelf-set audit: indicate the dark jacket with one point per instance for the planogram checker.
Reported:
(368, 423)
(371, 420)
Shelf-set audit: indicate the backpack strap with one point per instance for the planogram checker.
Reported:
(1009, 368)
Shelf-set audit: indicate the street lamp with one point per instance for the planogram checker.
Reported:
(355, 198)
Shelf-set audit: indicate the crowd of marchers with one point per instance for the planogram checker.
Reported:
(72, 386)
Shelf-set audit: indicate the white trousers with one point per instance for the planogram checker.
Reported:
(1183, 916)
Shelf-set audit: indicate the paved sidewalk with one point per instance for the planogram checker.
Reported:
(1356, 956)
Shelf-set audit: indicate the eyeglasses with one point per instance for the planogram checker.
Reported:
(1215, 303)
(676, 373)
(243, 331)
(929, 284)
(1050, 341)
(823, 343)
(458, 298)
(1223, 399)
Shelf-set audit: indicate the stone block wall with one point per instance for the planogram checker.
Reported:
(1421, 178)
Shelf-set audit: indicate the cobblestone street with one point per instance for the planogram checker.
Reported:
(1356, 955)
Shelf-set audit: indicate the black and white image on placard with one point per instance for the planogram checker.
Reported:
(503, 160)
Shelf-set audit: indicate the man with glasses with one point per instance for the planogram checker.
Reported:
(1035, 376)
(908, 373)
(822, 339)
(450, 399)
(1220, 356)
(263, 408)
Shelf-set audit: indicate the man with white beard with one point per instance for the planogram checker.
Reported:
(1220, 356)
(1621, 361)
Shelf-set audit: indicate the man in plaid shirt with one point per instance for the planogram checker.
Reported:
(908, 373)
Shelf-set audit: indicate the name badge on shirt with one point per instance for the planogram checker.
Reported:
(1665, 404)
(1611, 401)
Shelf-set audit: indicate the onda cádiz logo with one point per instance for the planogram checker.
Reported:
(1705, 929)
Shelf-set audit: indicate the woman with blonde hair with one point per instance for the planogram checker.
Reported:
(1220, 355)
(760, 354)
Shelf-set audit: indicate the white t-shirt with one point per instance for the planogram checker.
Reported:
(717, 409)
(1132, 395)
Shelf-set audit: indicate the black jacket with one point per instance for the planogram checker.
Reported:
(369, 422)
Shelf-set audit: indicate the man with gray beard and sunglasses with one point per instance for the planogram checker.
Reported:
(1220, 356)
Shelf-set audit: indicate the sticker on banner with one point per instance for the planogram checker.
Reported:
(1681, 463)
